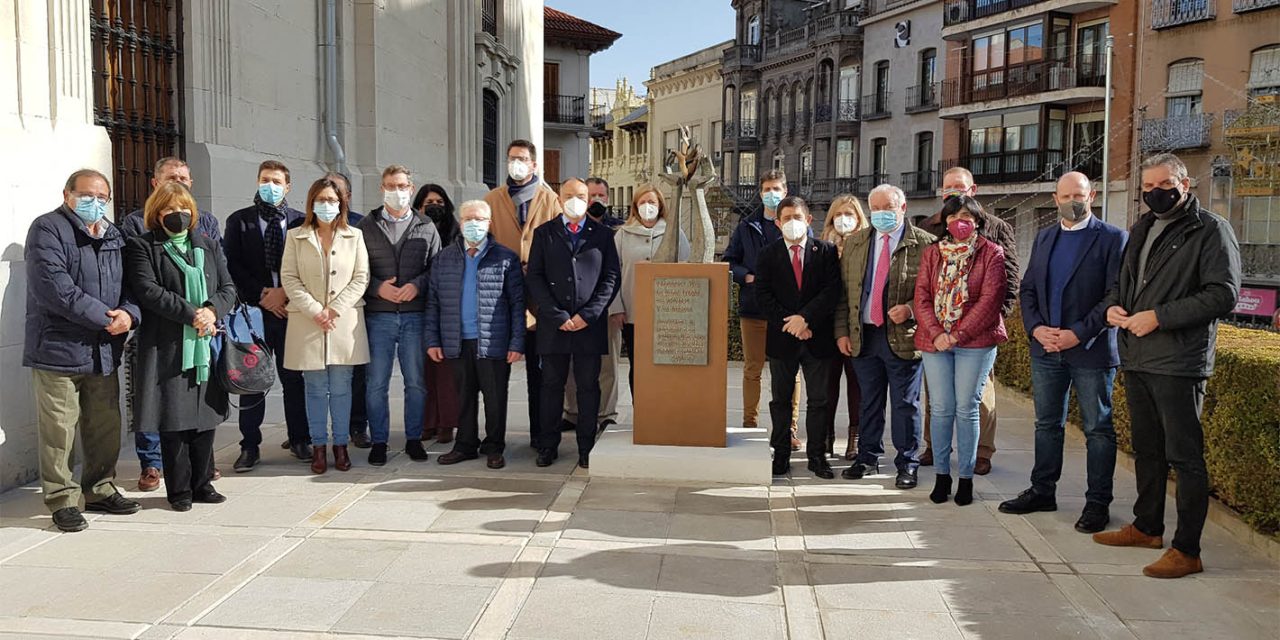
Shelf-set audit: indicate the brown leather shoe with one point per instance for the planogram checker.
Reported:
(496, 461)
(446, 435)
(149, 480)
(983, 466)
(851, 449)
(1173, 564)
(926, 458)
(1128, 536)
(795, 441)
(319, 459)
(454, 457)
(341, 461)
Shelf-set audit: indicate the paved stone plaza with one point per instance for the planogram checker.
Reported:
(423, 551)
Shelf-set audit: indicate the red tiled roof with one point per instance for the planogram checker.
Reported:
(562, 27)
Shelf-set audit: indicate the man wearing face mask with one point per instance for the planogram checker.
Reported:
(798, 285)
(77, 317)
(401, 243)
(254, 245)
(1072, 265)
(876, 325)
(573, 276)
(1179, 275)
(958, 181)
(523, 204)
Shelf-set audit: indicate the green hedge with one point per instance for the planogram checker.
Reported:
(735, 329)
(1241, 417)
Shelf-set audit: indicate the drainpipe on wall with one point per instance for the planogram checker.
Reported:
(330, 46)
(1106, 135)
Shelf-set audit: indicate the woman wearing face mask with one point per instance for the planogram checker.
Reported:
(637, 241)
(441, 417)
(179, 278)
(434, 203)
(844, 218)
(325, 271)
(959, 293)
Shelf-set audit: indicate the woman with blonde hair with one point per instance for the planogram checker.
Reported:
(180, 280)
(845, 217)
(325, 271)
(637, 241)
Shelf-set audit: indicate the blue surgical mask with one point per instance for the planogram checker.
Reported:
(474, 231)
(271, 193)
(327, 211)
(90, 209)
(884, 221)
(771, 199)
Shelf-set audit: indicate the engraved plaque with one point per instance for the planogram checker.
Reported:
(680, 310)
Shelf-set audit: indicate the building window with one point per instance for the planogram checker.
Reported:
(1183, 92)
(1264, 71)
(779, 160)
(747, 168)
(881, 97)
(1087, 139)
(806, 168)
(768, 114)
(879, 159)
(489, 137)
(1261, 221)
(928, 67)
(924, 151)
(753, 30)
(844, 158)
(1091, 50)
(848, 93)
(717, 134)
(489, 17)
(747, 107)
(1026, 44)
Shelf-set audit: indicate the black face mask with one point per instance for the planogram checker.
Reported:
(177, 222)
(1162, 201)
(596, 210)
(433, 211)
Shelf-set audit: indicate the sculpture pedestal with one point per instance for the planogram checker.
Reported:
(744, 461)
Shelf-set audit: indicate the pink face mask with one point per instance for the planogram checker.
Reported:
(960, 229)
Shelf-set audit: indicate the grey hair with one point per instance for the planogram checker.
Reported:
(896, 197)
(479, 205)
(1173, 162)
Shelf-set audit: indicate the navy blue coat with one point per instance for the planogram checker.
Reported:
(243, 247)
(499, 302)
(564, 282)
(135, 225)
(73, 280)
(748, 240)
(1084, 310)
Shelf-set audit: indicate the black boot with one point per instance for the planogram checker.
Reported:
(941, 488)
(964, 491)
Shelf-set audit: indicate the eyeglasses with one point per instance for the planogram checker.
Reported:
(102, 200)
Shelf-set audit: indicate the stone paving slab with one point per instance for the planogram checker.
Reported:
(418, 550)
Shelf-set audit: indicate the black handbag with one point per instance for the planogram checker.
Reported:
(246, 364)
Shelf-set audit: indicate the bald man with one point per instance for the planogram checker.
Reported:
(1073, 264)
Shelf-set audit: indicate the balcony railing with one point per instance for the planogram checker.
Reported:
(847, 111)
(1177, 132)
(876, 105)
(874, 7)
(868, 182)
(922, 98)
(740, 129)
(1023, 80)
(564, 109)
(961, 11)
(919, 184)
(822, 113)
(1171, 13)
(1242, 6)
(741, 55)
(744, 195)
(489, 17)
(840, 23)
(1035, 165)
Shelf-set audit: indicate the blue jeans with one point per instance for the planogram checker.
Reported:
(392, 336)
(1052, 379)
(147, 444)
(956, 378)
(329, 396)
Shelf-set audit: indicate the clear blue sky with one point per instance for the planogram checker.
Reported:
(653, 32)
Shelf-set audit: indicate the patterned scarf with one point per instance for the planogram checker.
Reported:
(273, 238)
(953, 280)
(521, 195)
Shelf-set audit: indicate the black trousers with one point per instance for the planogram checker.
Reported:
(782, 373)
(473, 378)
(359, 419)
(295, 395)
(586, 374)
(1164, 416)
(533, 384)
(188, 463)
(629, 350)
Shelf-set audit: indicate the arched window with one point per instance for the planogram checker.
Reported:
(489, 138)
(1183, 91)
(1264, 71)
(779, 159)
(806, 169)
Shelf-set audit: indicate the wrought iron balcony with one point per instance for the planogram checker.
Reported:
(839, 24)
(922, 98)
(741, 55)
(847, 111)
(1023, 80)
(1034, 165)
(866, 183)
(1177, 132)
(876, 105)
(1171, 13)
(740, 129)
(564, 109)
(822, 113)
(919, 184)
(1242, 6)
(962, 11)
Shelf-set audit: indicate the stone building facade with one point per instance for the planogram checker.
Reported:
(620, 143)
(566, 82)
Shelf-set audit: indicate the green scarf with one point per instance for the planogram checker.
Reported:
(195, 348)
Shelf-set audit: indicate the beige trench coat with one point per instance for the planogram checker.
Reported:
(314, 284)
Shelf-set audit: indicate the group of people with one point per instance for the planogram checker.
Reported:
(526, 273)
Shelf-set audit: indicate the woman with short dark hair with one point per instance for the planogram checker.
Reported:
(441, 416)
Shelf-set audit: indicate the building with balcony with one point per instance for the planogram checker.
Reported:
(790, 97)
(620, 143)
(566, 112)
(901, 135)
(1207, 92)
(1023, 101)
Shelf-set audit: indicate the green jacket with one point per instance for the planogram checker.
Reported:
(901, 289)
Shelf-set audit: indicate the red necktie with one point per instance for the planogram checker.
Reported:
(795, 265)
(573, 227)
(878, 284)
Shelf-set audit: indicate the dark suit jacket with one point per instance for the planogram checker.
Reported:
(564, 281)
(1084, 310)
(246, 261)
(778, 297)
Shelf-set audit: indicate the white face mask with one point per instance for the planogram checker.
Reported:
(794, 230)
(396, 200)
(648, 211)
(844, 224)
(518, 170)
(575, 208)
